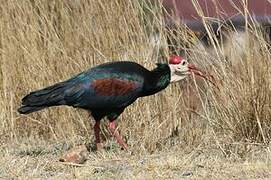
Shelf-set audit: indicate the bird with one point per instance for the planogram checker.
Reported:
(107, 89)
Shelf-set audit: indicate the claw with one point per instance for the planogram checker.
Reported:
(115, 133)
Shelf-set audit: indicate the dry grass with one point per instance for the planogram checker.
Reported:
(44, 42)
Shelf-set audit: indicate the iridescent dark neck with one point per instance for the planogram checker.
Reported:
(158, 79)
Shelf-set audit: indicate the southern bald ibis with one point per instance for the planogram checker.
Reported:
(107, 89)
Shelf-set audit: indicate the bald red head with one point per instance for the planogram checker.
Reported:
(175, 59)
(180, 68)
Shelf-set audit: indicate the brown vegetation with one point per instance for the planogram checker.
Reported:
(44, 42)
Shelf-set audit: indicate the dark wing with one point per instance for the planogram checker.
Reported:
(105, 88)
(113, 87)
(115, 92)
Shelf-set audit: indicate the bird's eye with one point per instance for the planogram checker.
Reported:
(184, 63)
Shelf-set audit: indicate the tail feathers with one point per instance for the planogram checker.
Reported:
(37, 100)
(49, 95)
(29, 109)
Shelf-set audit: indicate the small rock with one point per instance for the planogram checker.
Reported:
(199, 166)
(77, 155)
(187, 174)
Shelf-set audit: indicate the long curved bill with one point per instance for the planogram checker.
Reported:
(193, 69)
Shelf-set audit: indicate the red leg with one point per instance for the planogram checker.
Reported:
(115, 133)
(97, 131)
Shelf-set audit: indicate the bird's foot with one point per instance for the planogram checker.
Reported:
(116, 134)
(124, 146)
(99, 146)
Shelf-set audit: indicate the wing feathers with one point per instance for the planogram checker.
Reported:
(113, 86)
(73, 95)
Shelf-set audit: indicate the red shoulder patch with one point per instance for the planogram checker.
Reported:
(113, 87)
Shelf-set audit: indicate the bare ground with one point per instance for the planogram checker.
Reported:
(39, 160)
